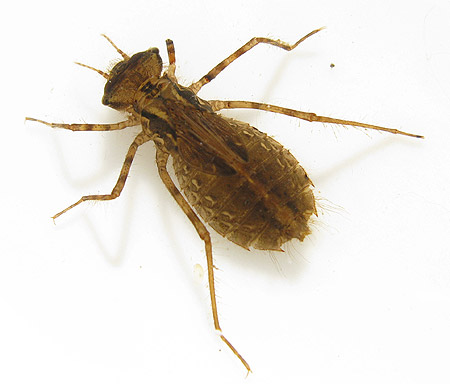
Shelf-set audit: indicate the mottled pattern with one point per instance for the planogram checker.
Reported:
(234, 210)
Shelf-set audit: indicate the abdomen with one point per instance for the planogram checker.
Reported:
(234, 210)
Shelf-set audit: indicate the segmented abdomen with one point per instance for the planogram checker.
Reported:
(234, 210)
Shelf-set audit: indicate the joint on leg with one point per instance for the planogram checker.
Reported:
(171, 53)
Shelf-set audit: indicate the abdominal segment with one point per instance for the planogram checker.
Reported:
(229, 204)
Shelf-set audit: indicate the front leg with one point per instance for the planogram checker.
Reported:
(171, 53)
(131, 122)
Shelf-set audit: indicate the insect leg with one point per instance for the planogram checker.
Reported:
(171, 53)
(90, 127)
(161, 160)
(195, 87)
(308, 116)
(139, 140)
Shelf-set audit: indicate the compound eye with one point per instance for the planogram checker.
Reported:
(119, 67)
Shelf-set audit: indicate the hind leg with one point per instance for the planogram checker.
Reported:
(161, 160)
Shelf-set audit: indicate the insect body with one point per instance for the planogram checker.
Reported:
(242, 182)
(262, 217)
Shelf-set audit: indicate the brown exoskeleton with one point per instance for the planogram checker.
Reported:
(241, 182)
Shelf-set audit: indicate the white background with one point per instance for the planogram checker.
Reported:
(109, 293)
